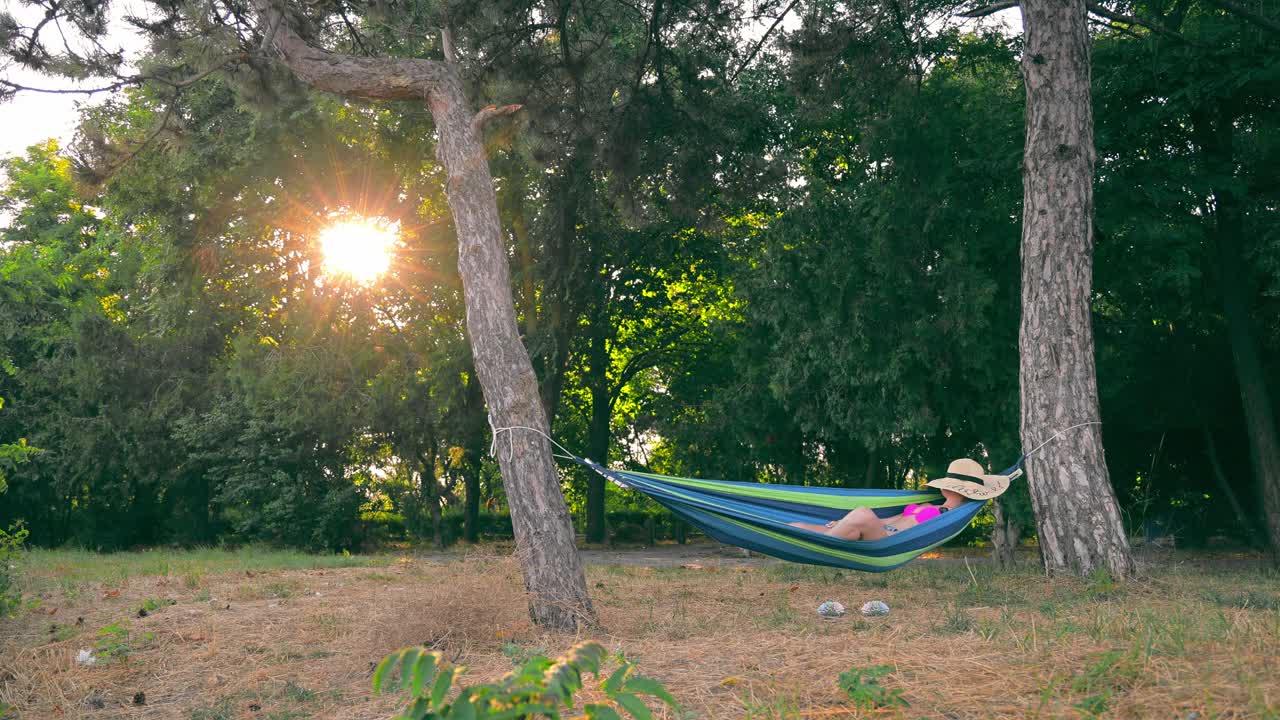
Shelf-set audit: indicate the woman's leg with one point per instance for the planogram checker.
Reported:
(810, 526)
(861, 524)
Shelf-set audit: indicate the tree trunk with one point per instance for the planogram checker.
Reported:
(1004, 536)
(471, 504)
(559, 285)
(551, 566)
(472, 464)
(1224, 484)
(1215, 135)
(871, 478)
(598, 433)
(1075, 506)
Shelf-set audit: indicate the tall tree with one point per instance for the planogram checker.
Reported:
(553, 571)
(1076, 511)
(188, 35)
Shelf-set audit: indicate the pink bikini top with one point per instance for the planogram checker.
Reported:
(922, 513)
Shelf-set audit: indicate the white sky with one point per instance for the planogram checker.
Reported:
(35, 117)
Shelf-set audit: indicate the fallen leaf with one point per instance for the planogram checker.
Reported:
(111, 594)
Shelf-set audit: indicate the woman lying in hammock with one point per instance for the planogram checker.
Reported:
(964, 481)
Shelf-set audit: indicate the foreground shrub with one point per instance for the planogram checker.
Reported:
(540, 688)
(10, 552)
(865, 691)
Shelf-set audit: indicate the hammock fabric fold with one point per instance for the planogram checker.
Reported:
(755, 516)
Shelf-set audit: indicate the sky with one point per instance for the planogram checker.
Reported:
(35, 117)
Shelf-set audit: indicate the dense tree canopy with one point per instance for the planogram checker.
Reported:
(771, 241)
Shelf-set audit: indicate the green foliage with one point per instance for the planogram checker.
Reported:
(115, 642)
(150, 605)
(1101, 585)
(10, 556)
(865, 691)
(956, 621)
(12, 539)
(1112, 672)
(540, 687)
(1245, 600)
(800, 266)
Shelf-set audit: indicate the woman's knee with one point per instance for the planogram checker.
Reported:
(862, 515)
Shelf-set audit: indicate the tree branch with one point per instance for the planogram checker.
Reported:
(1130, 20)
(1094, 8)
(1247, 14)
(130, 80)
(752, 55)
(351, 75)
(490, 112)
(991, 9)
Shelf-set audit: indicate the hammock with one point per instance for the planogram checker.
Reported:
(755, 516)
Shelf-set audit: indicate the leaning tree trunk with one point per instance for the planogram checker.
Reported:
(1076, 511)
(552, 569)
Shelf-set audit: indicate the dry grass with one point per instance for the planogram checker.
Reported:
(728, 642)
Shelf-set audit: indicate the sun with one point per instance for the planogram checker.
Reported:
(359, 248)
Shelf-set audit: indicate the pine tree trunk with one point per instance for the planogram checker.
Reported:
(1075, 506)
(552, 569)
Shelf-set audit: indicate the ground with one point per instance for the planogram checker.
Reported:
(213, 635)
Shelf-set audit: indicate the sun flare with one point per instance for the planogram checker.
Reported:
(360, 249)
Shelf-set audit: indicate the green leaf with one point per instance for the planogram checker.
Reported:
(563, 680)
(463, 709)
(423, 671)
(384, 667)
(601, 712)
(633, 705)
(441, 687)
(408, 661)
(649, 686)
(614, 683)
(418, 709)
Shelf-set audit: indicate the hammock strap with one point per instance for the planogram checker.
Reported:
(1037, 448)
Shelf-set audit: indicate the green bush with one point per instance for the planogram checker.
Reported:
(865, 691)
(540, 688)
(10, 554)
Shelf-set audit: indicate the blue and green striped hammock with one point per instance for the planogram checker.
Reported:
(755, 516)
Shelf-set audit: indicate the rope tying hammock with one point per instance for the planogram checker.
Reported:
(757, 516)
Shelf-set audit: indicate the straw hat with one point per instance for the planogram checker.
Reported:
(965, 477)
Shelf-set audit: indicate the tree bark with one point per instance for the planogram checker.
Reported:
(431, 494)
(472, 462)
(1075, 506)
(551, 566)
(1004, 536)
(874, 467)
(598, 434)
(1224, 484)
(471, 504)
(1215, 133)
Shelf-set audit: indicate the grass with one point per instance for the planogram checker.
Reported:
(70, 568)
(287, 636)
